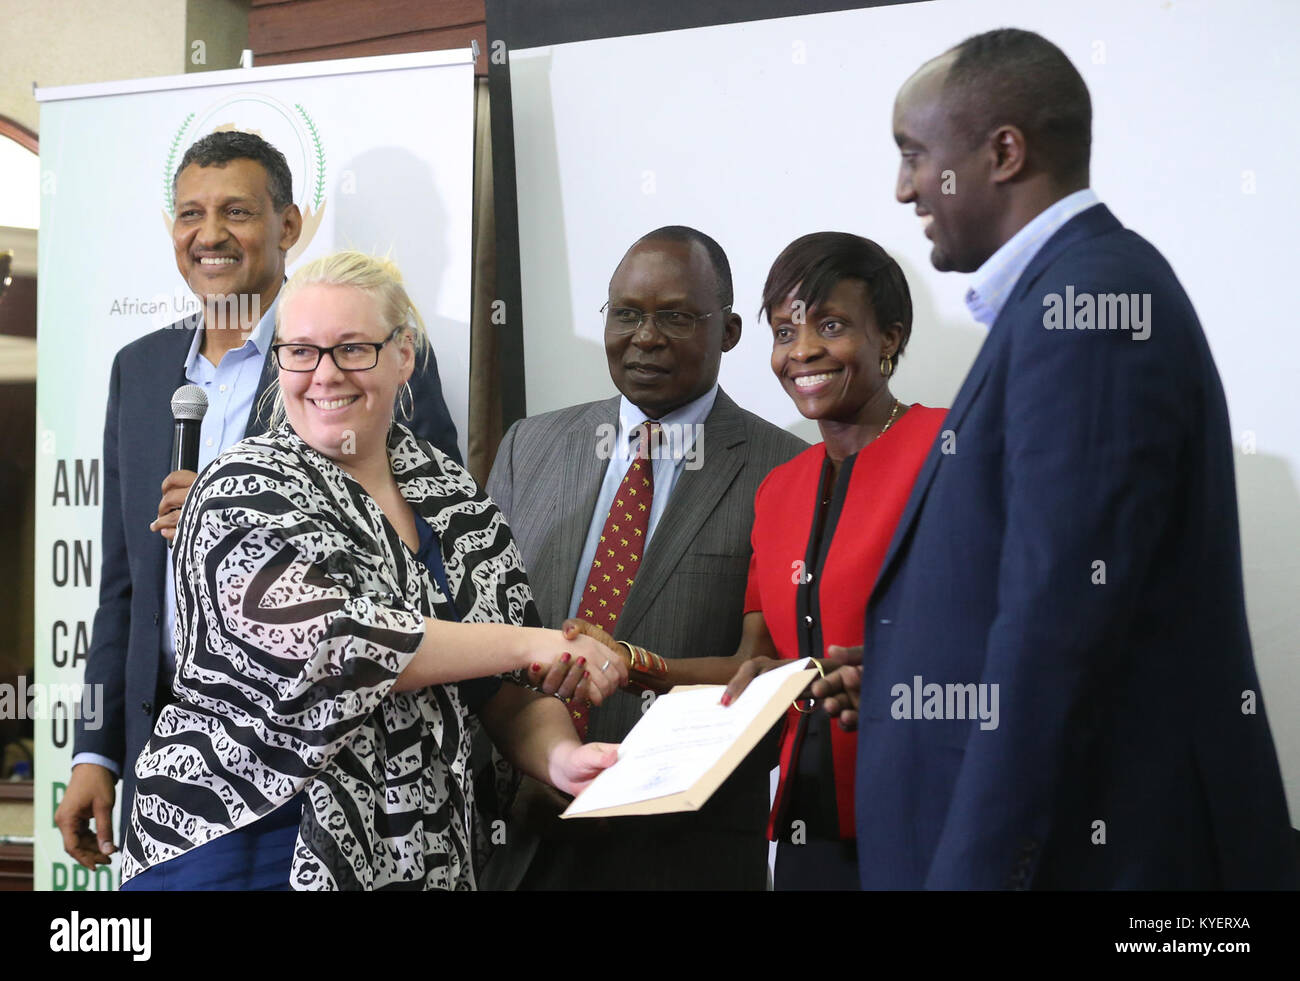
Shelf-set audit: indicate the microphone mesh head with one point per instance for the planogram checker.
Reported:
(189, 402)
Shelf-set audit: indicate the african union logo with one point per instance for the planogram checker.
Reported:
(291, 130)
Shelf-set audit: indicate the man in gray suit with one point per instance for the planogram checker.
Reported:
(556, 478)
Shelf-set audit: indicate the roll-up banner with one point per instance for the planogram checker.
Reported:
(381, 151)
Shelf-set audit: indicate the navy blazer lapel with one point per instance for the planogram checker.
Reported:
(1093, 221)
(695, 497)
(156, 439)
(258, 417)
(965, 396)
(583, 470)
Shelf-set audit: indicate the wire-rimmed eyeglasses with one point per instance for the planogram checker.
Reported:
(677, 324)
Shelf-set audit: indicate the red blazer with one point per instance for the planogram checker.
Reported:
(810, 601)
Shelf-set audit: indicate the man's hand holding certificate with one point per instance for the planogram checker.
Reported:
(687, 743)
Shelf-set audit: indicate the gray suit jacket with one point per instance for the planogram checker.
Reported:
(689, 596)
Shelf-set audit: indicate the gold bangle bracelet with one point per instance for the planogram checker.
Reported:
(643, 661)
(813, 706)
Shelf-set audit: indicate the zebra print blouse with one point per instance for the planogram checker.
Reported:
(297, 606)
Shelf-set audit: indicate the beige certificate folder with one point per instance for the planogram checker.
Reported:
(687, 744)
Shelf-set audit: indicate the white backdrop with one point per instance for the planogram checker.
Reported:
(381, 151)
(758, 133)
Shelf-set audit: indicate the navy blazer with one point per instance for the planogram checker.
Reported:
(1072, 539)
(126, 641)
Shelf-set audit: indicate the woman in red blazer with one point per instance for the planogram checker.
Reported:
(841, 315)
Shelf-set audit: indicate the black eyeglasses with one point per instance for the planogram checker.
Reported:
(352, 356)
(677, 324)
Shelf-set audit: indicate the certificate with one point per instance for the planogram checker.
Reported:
(688, 743)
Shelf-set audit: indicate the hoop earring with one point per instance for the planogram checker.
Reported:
(886, 366)
(406, 401)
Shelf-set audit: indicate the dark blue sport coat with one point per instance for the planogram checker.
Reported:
(1072, 539)
(126, 642)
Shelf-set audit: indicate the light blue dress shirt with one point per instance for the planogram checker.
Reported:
(231, 387)
(678, 449)
(992, 282)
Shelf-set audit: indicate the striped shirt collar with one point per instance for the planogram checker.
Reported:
(992, 282)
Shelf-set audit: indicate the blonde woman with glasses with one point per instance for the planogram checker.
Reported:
(347, 598)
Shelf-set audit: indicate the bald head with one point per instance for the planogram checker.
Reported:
(717, 258)
(990, 133)
(1010, 77)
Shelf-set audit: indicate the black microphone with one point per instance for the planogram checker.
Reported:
(189, 406)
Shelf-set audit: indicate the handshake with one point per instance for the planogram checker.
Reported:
(636, 668)
(567, 677)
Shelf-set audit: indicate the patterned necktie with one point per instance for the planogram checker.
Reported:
(619, 551)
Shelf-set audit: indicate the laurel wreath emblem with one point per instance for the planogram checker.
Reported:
(169, 190)
(305, 131)
(319, 191)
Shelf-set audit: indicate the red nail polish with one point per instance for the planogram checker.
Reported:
(726, 699)
(537, 667)
(564, 658)
(582, 660)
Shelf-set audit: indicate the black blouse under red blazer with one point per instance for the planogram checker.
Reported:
(812, 601)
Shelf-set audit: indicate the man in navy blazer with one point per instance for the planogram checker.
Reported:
(1057, 685)
(235, 222)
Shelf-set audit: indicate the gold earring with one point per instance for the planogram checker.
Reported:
(886, 366)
